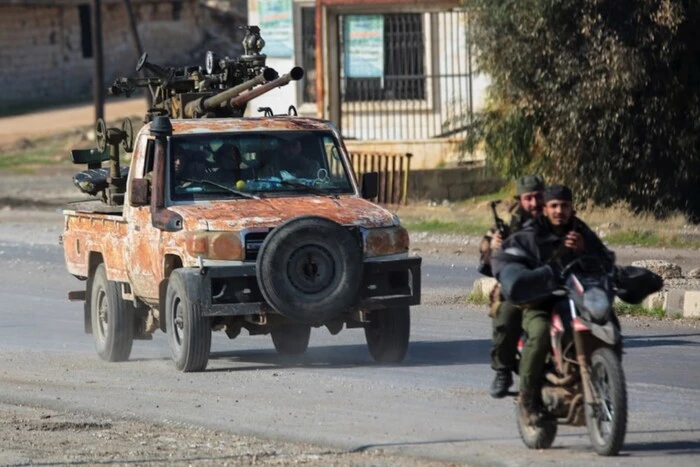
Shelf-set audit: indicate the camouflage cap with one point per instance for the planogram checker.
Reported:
(528, 183)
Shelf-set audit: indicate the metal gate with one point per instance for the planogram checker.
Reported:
(393, 170)
(405, 76)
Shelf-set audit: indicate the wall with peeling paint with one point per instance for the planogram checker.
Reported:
(42, 57)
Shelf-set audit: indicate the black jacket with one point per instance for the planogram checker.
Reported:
(525, 266)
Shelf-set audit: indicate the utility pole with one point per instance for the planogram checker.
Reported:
(137, 42)
(98, 71)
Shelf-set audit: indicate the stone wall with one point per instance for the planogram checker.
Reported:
(452, 184)
(42, 55)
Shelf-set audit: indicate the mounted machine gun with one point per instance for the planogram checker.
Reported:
(220, 89)
(209, 91)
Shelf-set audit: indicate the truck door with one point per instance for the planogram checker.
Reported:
(143, 256)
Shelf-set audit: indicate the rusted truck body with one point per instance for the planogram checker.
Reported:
(262, 247)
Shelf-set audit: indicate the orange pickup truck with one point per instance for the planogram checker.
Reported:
(224, 224)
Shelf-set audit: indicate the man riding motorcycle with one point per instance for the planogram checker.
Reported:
(528, 267)
(507, 317)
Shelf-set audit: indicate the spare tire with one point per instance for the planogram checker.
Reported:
(310, 269)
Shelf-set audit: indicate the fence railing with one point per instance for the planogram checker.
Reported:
(393, 170)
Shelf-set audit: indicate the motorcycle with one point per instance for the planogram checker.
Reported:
(583, 381)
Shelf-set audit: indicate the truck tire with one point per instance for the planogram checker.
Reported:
(310, 269)
(291, 339)
(189, 333)
(112, 320)
(387, 334)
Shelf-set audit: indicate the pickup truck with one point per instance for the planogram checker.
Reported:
(221, 226)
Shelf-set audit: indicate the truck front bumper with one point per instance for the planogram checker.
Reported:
(233, 290)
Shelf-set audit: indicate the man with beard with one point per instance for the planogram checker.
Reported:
(529, 267)
(507, 317)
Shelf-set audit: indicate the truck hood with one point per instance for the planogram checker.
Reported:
(239, 214)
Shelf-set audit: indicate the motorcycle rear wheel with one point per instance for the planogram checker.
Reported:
(536, 437)
(607, 423)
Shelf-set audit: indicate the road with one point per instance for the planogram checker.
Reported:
(433, 406)
(65, 119)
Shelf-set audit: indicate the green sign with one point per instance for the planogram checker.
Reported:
(276, 27)
(364, 46)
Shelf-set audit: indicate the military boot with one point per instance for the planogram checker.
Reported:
(501, 383)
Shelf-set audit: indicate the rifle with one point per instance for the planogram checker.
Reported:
(501, 226)
(503, 229)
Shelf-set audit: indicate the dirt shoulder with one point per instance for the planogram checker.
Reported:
(32, 435)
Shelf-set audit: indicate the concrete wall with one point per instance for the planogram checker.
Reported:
(452, 184)
(427, 154)
(42, 58)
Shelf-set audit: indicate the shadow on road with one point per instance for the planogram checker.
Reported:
(661, 340)
(664, 448)
(422, 353)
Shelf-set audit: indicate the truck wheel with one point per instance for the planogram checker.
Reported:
(310, 269)
(189, 333)
(292, 339)
(112, 320)
(387, 334)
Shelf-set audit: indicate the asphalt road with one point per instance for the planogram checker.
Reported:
(434, 405)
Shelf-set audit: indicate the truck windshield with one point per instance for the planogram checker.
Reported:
(269, 163)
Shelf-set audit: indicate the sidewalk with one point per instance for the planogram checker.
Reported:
(62, 120)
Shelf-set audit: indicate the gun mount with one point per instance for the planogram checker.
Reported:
(212, 91)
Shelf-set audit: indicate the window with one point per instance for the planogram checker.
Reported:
(84, 13)
(215, 166)
(308, 54)
(404, 63)
(177, 10)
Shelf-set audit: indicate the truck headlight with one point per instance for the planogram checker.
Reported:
(215, 245)
(385, 241)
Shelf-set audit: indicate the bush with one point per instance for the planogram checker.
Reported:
(603, 95)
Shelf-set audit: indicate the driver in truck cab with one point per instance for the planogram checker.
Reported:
(300, 160)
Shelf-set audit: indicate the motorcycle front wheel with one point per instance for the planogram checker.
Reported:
(540, 436)
(607, 421)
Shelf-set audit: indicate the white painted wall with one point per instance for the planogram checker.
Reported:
(281, 98)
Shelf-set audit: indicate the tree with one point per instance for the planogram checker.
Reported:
(603, 95)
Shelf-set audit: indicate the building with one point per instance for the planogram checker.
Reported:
(46, 47)
(395, 76)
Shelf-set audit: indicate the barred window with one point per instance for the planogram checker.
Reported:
(404, 63)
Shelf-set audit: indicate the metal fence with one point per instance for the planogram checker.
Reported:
(393, 169)
(425, 90)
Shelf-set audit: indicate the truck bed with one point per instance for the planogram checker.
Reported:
(93, 229)
(94, 206)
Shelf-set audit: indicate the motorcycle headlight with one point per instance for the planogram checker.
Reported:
(597, 302)
(385, 241)
(215, 245)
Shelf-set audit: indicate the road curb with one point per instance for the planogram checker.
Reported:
(676, 303)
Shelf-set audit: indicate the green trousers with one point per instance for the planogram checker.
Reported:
(507, 329)
(536, 325)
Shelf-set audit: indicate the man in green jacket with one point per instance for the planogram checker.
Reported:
(507, 317)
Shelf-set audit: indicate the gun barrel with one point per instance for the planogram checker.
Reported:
(295, 74)
(200, 106)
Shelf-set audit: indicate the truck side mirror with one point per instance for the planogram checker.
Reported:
(138, 196)
(370, 185)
